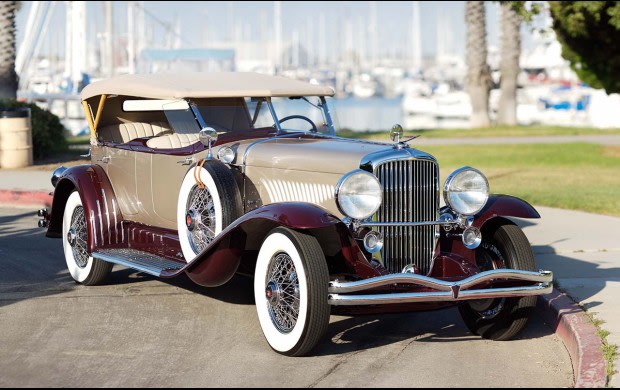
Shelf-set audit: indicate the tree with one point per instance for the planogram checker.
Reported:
(589, 32)
(478, 72)
(8, 77)
(509, 65)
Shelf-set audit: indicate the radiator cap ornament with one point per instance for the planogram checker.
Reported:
(396, 133)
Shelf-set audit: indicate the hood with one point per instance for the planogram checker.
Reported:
(312, 154)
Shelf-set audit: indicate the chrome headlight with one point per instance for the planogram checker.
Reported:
(358, 194)
(466, 191)
(57, 173)
(226, 155)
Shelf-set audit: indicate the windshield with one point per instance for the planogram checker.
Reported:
(307, 114)
(231, 115)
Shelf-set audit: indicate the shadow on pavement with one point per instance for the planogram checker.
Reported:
(443, 326)
(590, 276)
(31, 265)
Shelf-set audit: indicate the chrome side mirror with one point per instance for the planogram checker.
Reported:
(208, 137)
(396, 133)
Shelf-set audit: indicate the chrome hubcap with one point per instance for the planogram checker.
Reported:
(273, 293)
(190, 219)
(200, 219)
(282, 292)
(71, 236)
(77, 237)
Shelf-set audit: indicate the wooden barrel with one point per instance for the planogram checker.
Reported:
(15, 138)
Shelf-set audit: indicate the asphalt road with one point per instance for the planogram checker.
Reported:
(139, 331)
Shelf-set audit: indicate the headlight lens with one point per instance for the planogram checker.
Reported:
(226, 155)
(466, 191)
(358, 194)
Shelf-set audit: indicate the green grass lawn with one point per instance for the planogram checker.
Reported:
(495, 131)
(576, 176)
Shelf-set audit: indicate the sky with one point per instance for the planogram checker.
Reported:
(203, 23)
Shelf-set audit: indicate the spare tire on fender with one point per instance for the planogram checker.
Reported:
(204, 211)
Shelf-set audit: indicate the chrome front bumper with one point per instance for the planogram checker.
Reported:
(446, 291)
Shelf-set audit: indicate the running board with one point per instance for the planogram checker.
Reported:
(138, 260)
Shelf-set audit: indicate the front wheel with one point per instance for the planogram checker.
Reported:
(506, 246)
(290, 289)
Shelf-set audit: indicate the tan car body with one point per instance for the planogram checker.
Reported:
(272, 170)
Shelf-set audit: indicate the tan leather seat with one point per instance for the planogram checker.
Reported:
(172, 141)
(125, 132)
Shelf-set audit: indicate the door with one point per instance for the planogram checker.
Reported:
(120, 166)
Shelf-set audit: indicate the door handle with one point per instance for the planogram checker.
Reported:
(104, 159)
(186, 161)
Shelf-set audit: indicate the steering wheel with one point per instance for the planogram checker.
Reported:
(286, 118)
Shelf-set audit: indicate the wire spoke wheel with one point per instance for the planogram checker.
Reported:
(290, 291)
(75, 235)
(200, 207)
(78, 236)
(283, 292)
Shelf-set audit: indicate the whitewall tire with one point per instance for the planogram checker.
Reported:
(82, 267)
(290, 290)
(201, 214)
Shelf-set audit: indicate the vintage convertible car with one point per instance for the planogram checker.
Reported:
(214, 174)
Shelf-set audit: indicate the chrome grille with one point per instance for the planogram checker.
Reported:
(410, 194)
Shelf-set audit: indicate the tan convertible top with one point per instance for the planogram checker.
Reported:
(203, 85)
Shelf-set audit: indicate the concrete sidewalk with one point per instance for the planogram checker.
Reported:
(583, 251)
(24, 187)
(25, 180)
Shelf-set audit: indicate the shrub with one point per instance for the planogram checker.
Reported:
(48, 134)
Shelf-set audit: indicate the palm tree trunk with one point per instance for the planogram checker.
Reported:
(478, 72)
(8, 77)
(509, 66)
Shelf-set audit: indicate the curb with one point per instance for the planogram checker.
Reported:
(579, 335)
(25, 198)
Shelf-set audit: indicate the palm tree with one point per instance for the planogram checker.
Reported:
(478, 72)
(509, 65)
(8, 77)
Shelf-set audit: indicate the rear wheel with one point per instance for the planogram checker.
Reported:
(505, 246)
(290, 289)
(82, 267)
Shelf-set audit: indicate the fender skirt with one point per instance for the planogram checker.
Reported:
(218, 263)
(103, 215)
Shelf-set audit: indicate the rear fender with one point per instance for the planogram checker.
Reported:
(240, 241)
(103, 216)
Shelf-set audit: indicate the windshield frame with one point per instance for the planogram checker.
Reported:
(323, 106)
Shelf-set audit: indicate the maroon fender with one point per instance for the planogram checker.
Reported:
(221, 259)
(504, 206)
(497, 206)
(103, 216)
